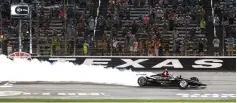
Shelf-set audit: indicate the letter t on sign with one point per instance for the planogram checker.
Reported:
(174, 63)
(103, 62)
(130, 62)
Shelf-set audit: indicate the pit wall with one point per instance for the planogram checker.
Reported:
(219, 63)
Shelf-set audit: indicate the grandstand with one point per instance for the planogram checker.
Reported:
(120, 27)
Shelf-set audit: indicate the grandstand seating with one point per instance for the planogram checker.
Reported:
(48, 26)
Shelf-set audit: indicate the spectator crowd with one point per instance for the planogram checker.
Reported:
(124, 27)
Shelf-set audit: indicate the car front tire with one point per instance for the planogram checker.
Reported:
(142, 81)
(183, 84)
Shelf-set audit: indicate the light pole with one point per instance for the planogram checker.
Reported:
(223, 38)
(30, 31)
(1, 38)
(64, 27)
(19, 36)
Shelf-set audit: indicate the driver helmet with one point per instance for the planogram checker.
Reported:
(166, 69)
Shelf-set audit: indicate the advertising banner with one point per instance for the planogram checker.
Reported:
(20, 10)
(153, 63)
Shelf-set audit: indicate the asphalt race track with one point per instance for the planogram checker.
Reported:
(220, 85)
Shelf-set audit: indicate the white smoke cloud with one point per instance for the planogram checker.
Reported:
(35, 70)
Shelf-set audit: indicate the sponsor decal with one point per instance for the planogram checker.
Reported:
(20, 10)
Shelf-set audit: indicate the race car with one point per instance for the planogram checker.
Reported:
(170, 80)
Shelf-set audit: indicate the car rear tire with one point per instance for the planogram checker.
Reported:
(194, 79)
(142, 81)
(183, 84)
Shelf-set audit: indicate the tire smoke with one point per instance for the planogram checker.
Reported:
(19, 70)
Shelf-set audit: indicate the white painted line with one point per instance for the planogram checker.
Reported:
(183, 95)
(186, 96)
(45, 93)
(224, 95)
(94, 94)
(10, 93)
(6, 86)
(72, 94)
(208, 95)
(61, 93)
(205, 95)
(232, 95)
(195, 95)
(81, 94)
(102, 93)
(215, 95)
(26, 93)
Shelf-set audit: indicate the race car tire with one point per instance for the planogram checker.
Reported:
(194, 79)
(183, 84)
(142, 81)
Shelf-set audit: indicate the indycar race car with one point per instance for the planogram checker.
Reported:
(160, 80)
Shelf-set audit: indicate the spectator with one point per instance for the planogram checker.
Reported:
(116, 22)
(166, 47)
(146, 20)
(127, 13)
(204, 40)
(200, 47)
(61, 14)
(136, 3)
(159, 14)
(91, 23)
(140, 18)
(202, 25)
(134, 27)
(115, 44)
(160, 48)
(101, 22)
(166, 2)
(202, 13)
(156, 48)
(114, 32)
(120, 48)
(140, 48)
(230, 47)
(105, 47)
(174, 4)
(216, 43)
(1, 36)
(56, 46)
(217, 20)
(81, 28)
(175, 34)
(109, 24)
(85, 48)
(131, 44)
(182, 46)
(152, 48)
(136, 46)
(125, 30)
(142, 3)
